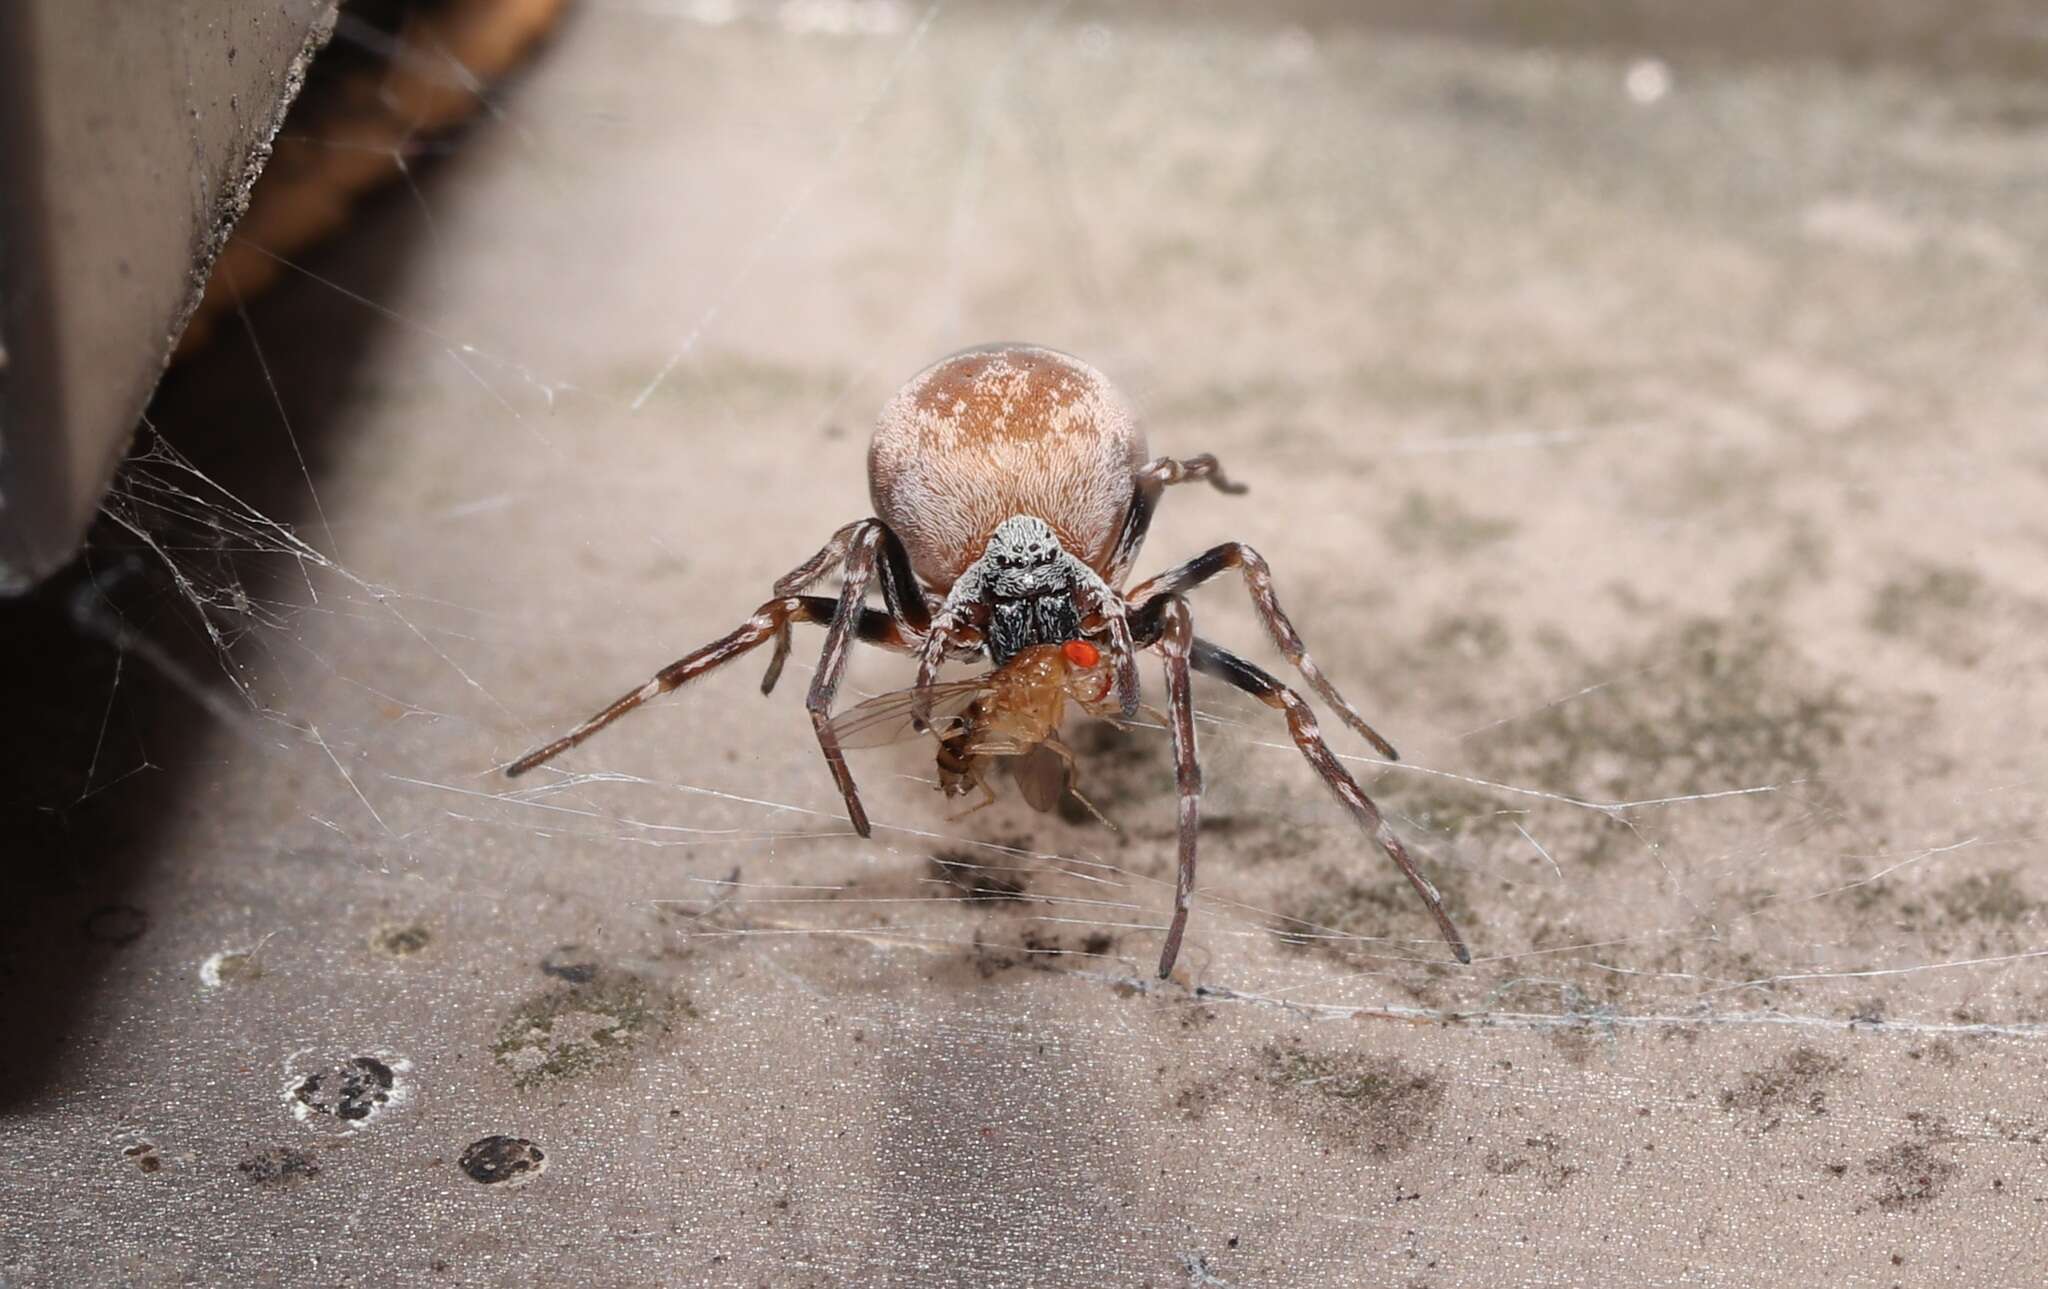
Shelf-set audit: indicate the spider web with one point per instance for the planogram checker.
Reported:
(1655, 811)
(1617, 537)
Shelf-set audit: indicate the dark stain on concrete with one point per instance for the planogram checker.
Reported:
(1911, 1174)
(1377, 1103)
(979, 881)
(503, 1161)
(1795, 1084)
(574, 963)
(401, 941)
(350, 1090)
(580, 1028)
(279, 1166)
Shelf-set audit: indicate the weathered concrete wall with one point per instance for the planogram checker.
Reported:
(131, 133)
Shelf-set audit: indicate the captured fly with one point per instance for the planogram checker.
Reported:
(1011, 714)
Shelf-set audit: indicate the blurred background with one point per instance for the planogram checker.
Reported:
(1641, 409)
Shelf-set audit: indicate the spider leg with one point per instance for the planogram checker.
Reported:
(949, 632)
(1196, 468)
(1176, 642)
(1155, 477)
(1258, 580)
(776, 659)
(839, 637)
(1124, 654)
(829, 556)
(1301, 723)
(769, 619)
(1137, 522)
(929, 657)
(900, 592)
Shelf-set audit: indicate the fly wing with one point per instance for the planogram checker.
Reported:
(890, 718)
(1041, 776)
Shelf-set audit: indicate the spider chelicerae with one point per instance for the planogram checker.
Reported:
(1012, 492)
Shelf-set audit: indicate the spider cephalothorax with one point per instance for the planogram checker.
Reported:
(1027, 588)
(1012, 493)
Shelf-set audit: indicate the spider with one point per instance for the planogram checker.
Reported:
(1012, 492)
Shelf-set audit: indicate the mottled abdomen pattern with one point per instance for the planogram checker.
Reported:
(999, 431)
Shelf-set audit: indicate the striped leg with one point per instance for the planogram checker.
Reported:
(1153, 478)
(1116, 619)
(950, 632)
(799, 579)
(900, 592)
(829, 557)
(1301, 723)
(839, 637)
(771, 618)
(1195, 469)
(1176, 642)
(931, 652)
(1258, 580)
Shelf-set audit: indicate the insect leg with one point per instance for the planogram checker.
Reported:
(988, 798)
(1073, 780)
(1258, 580)
(1176, 642)
(1301, 723)
(771, 618)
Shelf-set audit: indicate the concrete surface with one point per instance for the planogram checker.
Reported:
(1649, 441)
(129, 137)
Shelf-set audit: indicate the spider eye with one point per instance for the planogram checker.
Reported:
(1081, 653)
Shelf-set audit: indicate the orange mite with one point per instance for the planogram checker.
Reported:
(1012, 493)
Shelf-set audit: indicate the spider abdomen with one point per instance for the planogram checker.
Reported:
(998, 431)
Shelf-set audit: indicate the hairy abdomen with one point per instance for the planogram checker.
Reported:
(999, 431)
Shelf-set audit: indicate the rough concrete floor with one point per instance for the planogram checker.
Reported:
(1654, 451)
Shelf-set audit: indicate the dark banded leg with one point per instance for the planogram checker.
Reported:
(1137, 522)
(776, 615)
(839, 637)
(1193, 470)
(860, 563)
(1258, 580)
(829, 557)
(1176, 642)
(900, 591)
(1123, 656)
(1301, 723)
(1153, 478)
(933, 652)
(798, 579)
(945, 637)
